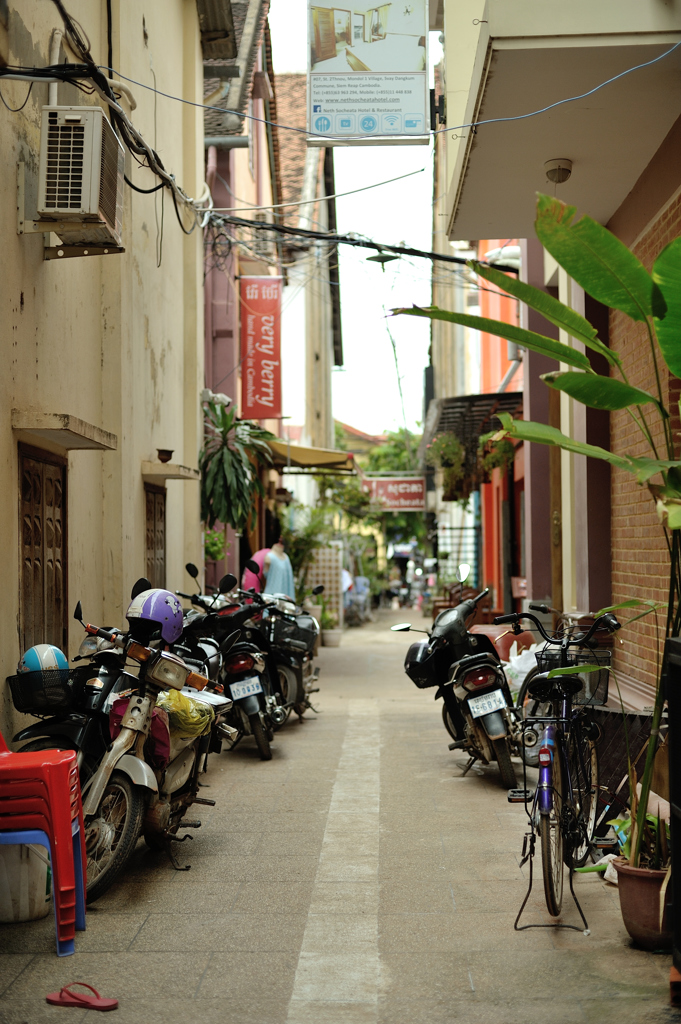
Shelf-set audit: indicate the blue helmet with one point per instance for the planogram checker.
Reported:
(41, 658)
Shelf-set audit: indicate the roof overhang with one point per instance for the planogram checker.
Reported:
(524, 59)
(69, 432)
(467, 417)
(297, 457)
(159, 472)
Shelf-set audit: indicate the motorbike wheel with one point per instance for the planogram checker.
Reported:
(506, 769)
(448, 723)
(261, 740)
(111, 834)
(288, 688)
(48, 743)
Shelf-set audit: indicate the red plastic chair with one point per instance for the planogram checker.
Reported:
(40, 793)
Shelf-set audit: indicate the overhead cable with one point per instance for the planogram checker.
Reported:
(401, 250)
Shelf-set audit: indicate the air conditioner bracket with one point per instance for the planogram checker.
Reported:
(61, 252)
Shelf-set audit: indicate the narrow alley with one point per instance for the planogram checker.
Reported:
(356, 878)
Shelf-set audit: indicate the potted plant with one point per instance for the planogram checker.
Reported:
(608, 271)
(447, 453)
(234, 451)
(331, 634)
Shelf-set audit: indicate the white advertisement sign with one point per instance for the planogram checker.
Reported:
(368, 72)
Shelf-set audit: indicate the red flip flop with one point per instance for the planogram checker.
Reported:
(66, 997)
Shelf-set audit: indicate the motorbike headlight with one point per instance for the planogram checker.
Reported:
(92, 644)
(168, 670)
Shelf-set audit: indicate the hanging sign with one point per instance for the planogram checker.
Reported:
(260, 347)
(397, 494)
(368, 72)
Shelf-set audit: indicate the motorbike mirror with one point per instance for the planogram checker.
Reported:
(192, 570)
(78, 613)
(227, 583)
(318, 590)
(463, 572)
(229, 642)
(142, 584)
(253, 567)
(401, 627)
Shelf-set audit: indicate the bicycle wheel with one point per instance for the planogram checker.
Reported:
(551, 835)
(583, 762)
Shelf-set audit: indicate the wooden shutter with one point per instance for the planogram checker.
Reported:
(43, 548)
(156, 535)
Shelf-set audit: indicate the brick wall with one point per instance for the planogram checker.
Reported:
(640, 563)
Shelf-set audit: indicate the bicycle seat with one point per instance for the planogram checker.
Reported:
(542, 688)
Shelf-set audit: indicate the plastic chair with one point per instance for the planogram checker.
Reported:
(41, 798)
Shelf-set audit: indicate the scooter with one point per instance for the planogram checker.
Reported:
(478, 710)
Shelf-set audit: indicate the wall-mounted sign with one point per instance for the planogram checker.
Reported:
(368, 72)
(260, 347)
(397, 494)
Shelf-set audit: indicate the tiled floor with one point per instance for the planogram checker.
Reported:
(356, 878)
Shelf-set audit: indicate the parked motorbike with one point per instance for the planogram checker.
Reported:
(478, 710)
(141, 777)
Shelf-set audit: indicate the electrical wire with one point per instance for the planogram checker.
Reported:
(471, 124)
(15, 110)
(144, 191)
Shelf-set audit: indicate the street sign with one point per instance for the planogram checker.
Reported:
(260, 309)
(397, 494)
(368, 73)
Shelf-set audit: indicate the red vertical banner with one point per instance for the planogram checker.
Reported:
(260, 347)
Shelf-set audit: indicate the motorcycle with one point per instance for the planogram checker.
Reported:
(138, 777)
(478, 710)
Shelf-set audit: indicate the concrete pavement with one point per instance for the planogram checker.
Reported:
(356, 878)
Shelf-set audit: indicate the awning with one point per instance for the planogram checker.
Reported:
(468, 416)
(297, 457)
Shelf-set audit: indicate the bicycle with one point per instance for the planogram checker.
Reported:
(564, 804)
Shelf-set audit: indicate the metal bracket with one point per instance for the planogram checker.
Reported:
(27, 226)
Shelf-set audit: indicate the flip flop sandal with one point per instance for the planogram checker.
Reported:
(66, 997)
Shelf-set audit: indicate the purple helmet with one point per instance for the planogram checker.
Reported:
(157, 608)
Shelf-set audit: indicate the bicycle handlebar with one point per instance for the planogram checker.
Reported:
(608, 619)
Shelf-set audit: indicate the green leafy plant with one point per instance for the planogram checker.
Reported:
(329, 618)
(303, 533)
(214, 545)
(608, 271)
(233, 452)
(494, 453)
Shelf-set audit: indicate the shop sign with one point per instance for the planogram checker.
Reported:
(397, 494)
(260, 347)
(368, 72)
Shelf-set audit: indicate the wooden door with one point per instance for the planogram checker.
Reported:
(324, 34)
(43, 548)
(155, 534)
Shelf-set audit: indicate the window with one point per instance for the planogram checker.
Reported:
(155, 498)
(43, 548)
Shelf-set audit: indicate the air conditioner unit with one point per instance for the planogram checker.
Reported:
(81, 175)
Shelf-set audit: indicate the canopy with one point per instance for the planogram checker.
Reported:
(297, 457)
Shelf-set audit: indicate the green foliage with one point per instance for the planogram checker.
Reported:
(494, 453)
(446, 451)
(232, 453)
(398, 453)
(667, 276)
(214, 545)
(596, 391)
(312, 530)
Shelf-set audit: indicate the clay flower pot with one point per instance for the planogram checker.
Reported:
(639, 890)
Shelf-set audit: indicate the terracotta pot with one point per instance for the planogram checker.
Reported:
(331, 637)
(639, 890)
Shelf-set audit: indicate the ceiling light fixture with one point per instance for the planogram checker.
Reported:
(558, 171)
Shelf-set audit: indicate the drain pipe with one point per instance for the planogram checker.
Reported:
(55, 46)
(514, 354)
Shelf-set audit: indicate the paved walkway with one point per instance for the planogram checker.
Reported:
(356, 878)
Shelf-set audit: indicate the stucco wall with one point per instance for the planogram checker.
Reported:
(114, 340)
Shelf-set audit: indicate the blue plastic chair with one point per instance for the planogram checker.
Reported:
(24, 837)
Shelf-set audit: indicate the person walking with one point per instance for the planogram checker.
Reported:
(278, 571)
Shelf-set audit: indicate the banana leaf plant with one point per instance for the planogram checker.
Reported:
(608, 271)
(234, 450)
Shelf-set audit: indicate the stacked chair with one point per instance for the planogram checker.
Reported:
(40, 803)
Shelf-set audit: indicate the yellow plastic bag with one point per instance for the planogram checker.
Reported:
(186, 716)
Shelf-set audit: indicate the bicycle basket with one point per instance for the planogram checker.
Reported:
(594, 689)
(42, 693)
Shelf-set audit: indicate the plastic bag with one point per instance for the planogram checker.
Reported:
(518, 665)
(188, 717)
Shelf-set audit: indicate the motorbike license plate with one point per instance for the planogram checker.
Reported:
(486, 702)
(245, 688)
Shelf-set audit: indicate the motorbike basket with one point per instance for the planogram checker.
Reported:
(418, 665)
(42, 693)
(594, 684)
